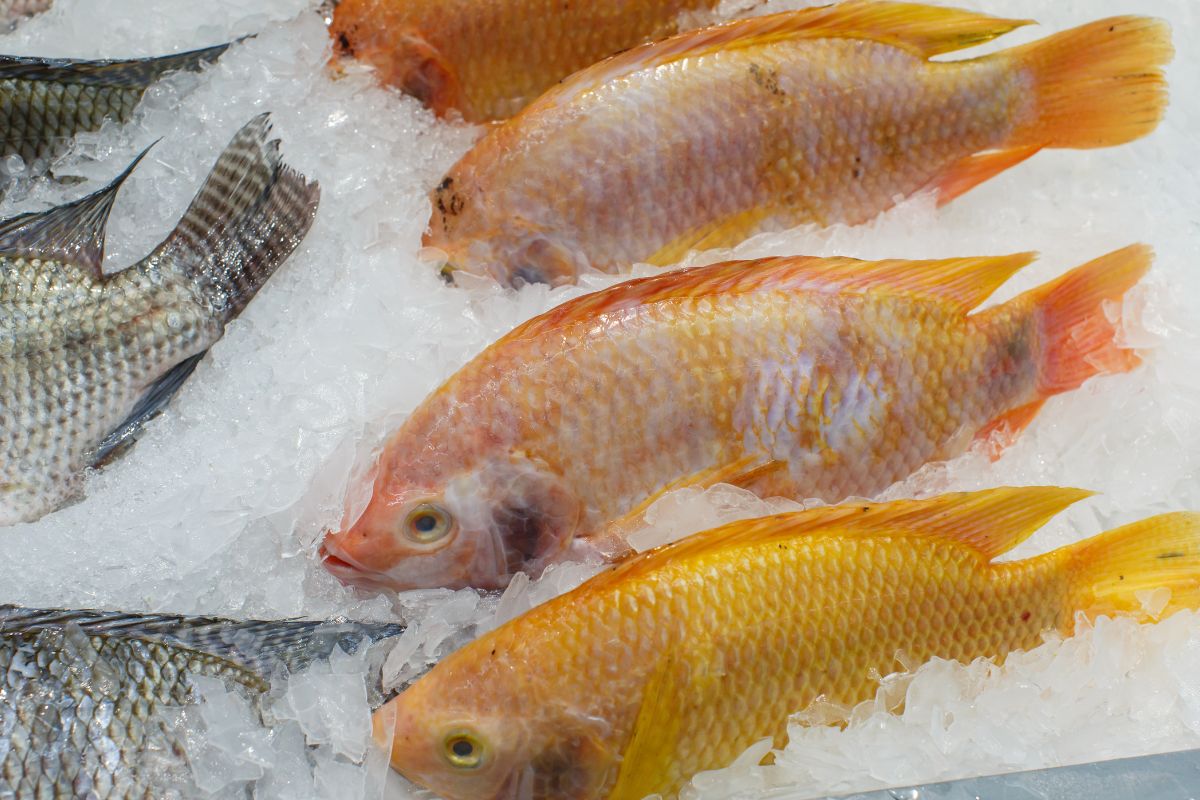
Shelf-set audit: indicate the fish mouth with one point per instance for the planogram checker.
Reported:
(349, 572)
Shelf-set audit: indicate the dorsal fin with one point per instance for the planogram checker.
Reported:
(924, 30)
(73, 232)
(991, 522)
(126, 73)
(965, 282)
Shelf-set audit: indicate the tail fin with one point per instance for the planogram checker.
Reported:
(247, 218)
(1097, 85)
(1111, 572)
(1077, 326)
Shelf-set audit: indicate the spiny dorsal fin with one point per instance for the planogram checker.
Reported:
(965, 282)
(129, 73)
(922, 29)
(259, 645)
(991, 522)
(73, 233)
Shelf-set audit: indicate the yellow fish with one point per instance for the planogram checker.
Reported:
(819, 116)
(486, 59)
(796, 377)
(677, 660)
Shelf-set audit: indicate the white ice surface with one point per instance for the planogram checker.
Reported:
(219, 507)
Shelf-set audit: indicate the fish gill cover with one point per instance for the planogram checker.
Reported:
(342, 345)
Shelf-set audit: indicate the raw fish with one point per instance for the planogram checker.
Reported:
(82, 693)
(46, 101)
(487, 59)
(86, 358)
(797, 377)
(679, 659)
(820, 116)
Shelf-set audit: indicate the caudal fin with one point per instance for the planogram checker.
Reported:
(1079, 319)
(1097, 85)
(1113, 572)
(247, 218)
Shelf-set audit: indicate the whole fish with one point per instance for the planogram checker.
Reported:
(820, 116)
(679, 659)
(82, 693)
(797, 377)
(86, 358)
(487, 59)
(44, 102)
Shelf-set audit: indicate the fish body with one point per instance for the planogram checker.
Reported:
(44, 102)
(820, 116)
(82, 694)
(487, 60)
(796, 377)
(677, 660)
(88, 357)
(13, 11)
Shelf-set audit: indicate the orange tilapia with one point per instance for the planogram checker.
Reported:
(487, 59)
(679, 659)
(820, 116)
(798, 377)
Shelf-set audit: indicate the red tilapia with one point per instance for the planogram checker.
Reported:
(820, 116)
(486, 59)
(798, 377)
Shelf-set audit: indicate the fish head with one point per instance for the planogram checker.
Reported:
(507, 248)
(482, 735)
(478, 529)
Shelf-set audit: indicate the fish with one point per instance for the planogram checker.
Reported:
(83, 694)
(677, 660)
(795, 377)
(86, 358)
(485, 61)
(47, 101)
(817, 117)
(13, 11)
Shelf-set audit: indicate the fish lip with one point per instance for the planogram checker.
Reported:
(348, 571)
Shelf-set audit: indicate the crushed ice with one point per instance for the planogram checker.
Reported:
(219, 507)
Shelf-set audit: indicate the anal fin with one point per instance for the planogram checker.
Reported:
(973, 170)
(1000, 433)
(152, 401)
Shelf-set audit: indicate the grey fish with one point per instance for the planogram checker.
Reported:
(44, 102)
(83, 694)
(86, 358)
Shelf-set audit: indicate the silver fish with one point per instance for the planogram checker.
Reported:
(83, 693)
(86, 358)
(44, 102)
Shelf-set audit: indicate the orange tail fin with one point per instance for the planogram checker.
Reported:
(1078, 325)
(1111, 573)
(1097, 85)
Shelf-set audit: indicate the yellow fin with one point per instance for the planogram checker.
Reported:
(991, 522)
(923, 29)
(966, 282)
(654, 740)
(725, 232)
(1110, 572)
(744, 472)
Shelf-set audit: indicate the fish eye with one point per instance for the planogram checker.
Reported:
(463, 750)
(427, 523)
